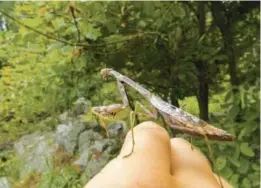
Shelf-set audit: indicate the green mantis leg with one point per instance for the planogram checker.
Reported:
(133, 120)
(147, 113)
(132, 123)
(212, 156)
(190, 137)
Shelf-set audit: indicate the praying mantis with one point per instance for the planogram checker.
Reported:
(175, 117)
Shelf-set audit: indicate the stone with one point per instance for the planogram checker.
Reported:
(34, 151)
(4, 182)
(67, 136)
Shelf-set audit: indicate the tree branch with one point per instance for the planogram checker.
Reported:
(130, 37)
(39, 32)
(76, 23)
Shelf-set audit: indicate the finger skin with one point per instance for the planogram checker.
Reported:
(156, 162)
(147, 167)
(190, 167)
(224, 182)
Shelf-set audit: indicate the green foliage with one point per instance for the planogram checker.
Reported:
(65, 177)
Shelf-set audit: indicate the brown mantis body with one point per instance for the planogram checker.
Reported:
(173, 116)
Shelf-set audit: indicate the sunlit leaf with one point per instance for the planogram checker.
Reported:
(234, 179)
(246, 150)
(33, 22)
(221, 162)
(226, 172)
(56, 45)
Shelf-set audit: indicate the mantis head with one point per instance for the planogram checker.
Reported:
(105, 73)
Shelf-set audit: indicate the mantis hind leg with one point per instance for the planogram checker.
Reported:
(147, 113)
(132, 123)
(212, 158)
(191, 143)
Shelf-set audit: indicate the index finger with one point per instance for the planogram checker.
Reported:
(151, 149)
(147, 166)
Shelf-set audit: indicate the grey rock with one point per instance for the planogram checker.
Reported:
(94, 158)
(87, 138)
(34, 151)
(64, 118)
(4, 182)
(117, 129)
(67, 135)
(95, 165)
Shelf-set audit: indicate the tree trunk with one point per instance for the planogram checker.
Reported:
(203, 87)
(232, 64)
(224, 23)
(173, 98)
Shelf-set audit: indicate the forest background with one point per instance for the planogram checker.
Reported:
(204, 56)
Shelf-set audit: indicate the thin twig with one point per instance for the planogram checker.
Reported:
(110, 53)
(76, 23)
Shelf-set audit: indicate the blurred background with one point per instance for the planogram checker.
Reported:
(201, 56)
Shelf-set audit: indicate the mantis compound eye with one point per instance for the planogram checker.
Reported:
(105, 73)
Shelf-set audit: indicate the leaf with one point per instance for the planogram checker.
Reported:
(93, 34)
(58, 24)
(182, 77)
(229, 97)
(255, 167)
(32, 22)
(56, 45)
(17, 38)
(254, 178)
(234, 179)
(233, 111)
(246, 183)
(90, 31)
(244, 165)
(249, 127)
(141, 24)
(234, 161)
(221, 162)
(178, 11)
(246, 150)
(226, 172)
(29, 37)
(48, 16)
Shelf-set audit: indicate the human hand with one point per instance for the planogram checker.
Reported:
(157, 162)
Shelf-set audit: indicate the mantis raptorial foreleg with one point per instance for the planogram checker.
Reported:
(103, 112)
